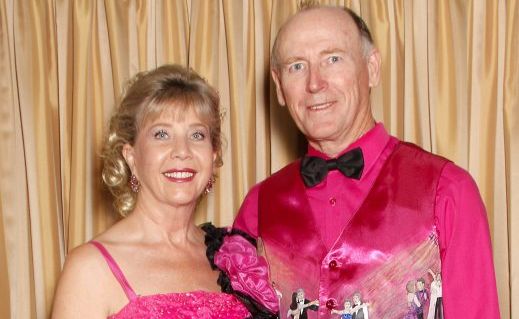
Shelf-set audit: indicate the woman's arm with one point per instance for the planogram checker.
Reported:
(338, 312)
(416, 301)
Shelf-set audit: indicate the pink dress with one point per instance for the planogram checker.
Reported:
(196, 304)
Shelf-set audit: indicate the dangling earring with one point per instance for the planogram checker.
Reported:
(209, 186)
(134, 184)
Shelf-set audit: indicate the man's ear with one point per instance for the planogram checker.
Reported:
(275, 76)
(129, 156)
(374, 62)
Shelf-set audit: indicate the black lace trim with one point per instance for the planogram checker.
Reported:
(213, 240)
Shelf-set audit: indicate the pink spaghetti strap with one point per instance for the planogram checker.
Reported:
(115, 270)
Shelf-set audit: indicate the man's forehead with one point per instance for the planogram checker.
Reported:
(312, 21)
(330, 15)
(327, 31)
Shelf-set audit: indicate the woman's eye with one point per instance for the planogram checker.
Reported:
(198, 136)
(161, 134)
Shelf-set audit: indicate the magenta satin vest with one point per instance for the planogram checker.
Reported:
(388, 246)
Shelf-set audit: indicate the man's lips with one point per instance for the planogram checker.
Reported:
(319, 106)
(180, 175)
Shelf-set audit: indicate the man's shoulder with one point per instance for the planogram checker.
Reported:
(288, 169)
(451, 173)
(419, 156)
(276, 179)
(417, 150)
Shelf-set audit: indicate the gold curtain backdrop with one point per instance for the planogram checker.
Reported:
(450, 83)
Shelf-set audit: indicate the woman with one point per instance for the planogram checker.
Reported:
(159, 159)
(347, 312)
(413, 304)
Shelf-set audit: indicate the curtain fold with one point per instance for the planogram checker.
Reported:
(450, 83)
(7, 126)
(508, 274)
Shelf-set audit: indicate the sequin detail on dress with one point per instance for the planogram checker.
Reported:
(197, 304)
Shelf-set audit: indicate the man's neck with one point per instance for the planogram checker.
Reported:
(332, 148)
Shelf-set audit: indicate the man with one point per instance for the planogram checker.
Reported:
(422, 295)
(300, 305)
(359, 308)
(362, 211)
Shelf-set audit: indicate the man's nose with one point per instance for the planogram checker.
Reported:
(316, 81)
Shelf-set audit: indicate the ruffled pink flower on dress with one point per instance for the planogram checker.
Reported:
(247, 271)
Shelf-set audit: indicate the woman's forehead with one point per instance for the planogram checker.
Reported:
(175, 110)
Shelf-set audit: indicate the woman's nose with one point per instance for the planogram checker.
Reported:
(180, 149)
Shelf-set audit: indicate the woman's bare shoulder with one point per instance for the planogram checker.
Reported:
(82, 285)
(84, 257)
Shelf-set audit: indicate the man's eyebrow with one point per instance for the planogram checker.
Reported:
(291, 59)
(294, 58)
(332, 50)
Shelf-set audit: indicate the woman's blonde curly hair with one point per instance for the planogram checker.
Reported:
(146, 96)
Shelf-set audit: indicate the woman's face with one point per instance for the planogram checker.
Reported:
(172, 158)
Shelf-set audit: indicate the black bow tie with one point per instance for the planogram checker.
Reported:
(314, 169)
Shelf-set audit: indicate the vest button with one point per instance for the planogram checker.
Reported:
(333, 264)
(331, 303)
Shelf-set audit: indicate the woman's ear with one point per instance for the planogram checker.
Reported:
(129, 156)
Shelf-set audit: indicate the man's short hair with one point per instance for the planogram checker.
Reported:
(365, 34)
(359, 22)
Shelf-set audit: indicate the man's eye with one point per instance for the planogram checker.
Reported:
(334, 59)
(198, 136)
(161, 134)
(296, 67)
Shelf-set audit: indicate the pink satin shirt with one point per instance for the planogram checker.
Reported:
(468, 280)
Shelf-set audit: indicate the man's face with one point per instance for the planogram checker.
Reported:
(420, 285)
(323, 75)
(300, 296)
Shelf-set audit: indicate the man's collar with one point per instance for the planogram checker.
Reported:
(372, 144)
